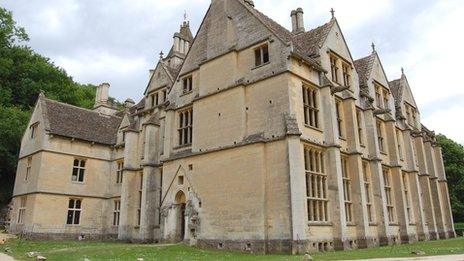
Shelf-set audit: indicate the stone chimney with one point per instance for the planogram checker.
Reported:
(101, 97)
(297, 21)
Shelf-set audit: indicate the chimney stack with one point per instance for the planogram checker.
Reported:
(297, 21)
(101, 97)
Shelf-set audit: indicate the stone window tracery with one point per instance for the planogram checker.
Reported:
(316, 185)
(311, 106)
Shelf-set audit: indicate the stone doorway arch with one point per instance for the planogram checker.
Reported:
(180, 204)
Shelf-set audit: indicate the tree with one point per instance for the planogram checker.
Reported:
(10, 33)
(13, 122)
(453, 157)
(23, 74)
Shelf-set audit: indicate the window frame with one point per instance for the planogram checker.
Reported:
(367, 180)
(185, 127)
(334, 68)
(347, 190)
(389, 196)
(311, 106)
(74, 211)
(80, 170)
(187, 84)
(380, 136)
(22, 210)
(116, 212)
(386, 99)
(317, 200)
(407, 195)
(262, 55)
(119, 171)
(139, 208)
(346, 70)
(33, 130)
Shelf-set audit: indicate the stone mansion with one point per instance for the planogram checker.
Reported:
(249, 137)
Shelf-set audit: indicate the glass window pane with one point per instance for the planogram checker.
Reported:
(77, 216)
(78, 204)
(69, 219)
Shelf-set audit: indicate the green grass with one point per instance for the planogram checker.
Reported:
(72, 250)
(458, 225)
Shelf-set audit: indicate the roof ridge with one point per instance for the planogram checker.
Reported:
(365, 57)
(76, 107)
(319, 27)
(251, 9)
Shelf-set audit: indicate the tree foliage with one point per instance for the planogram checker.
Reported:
(453, 157)
(23, 74)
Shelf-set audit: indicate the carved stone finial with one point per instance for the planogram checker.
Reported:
(332, 11)
(373, 47)
(161, 55)
(402, 71)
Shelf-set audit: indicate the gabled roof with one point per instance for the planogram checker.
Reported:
(364, 68)
(303, 43)
(199, 50)
(74, 122)
(310, 41)
(399, 88)
(396, 90)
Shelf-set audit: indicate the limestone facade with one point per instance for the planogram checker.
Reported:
(249, 137)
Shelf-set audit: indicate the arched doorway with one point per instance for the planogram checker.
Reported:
(180, 201)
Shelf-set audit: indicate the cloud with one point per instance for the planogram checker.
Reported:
(118, 41)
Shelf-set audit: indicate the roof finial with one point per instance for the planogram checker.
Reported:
(332, 11)
(373, 47)
(402, 70)
(185, 15)
(161, 55)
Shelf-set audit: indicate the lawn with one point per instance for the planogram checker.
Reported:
(71, 250)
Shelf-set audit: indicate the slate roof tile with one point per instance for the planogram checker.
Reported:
(79, 123)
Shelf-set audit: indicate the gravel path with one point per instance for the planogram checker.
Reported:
(4, 257)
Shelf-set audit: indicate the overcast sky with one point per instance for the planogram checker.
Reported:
(118, 41)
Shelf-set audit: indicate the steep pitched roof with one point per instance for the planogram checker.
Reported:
(310, 41)
(401, 90)
(364, 68)
(79, 123)
(396, 90)
(303, 43)
(199, 51)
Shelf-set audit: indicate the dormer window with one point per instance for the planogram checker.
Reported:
(261, 55)
(334, 68)
(188, 84)
(33, 130)
(346, 75)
